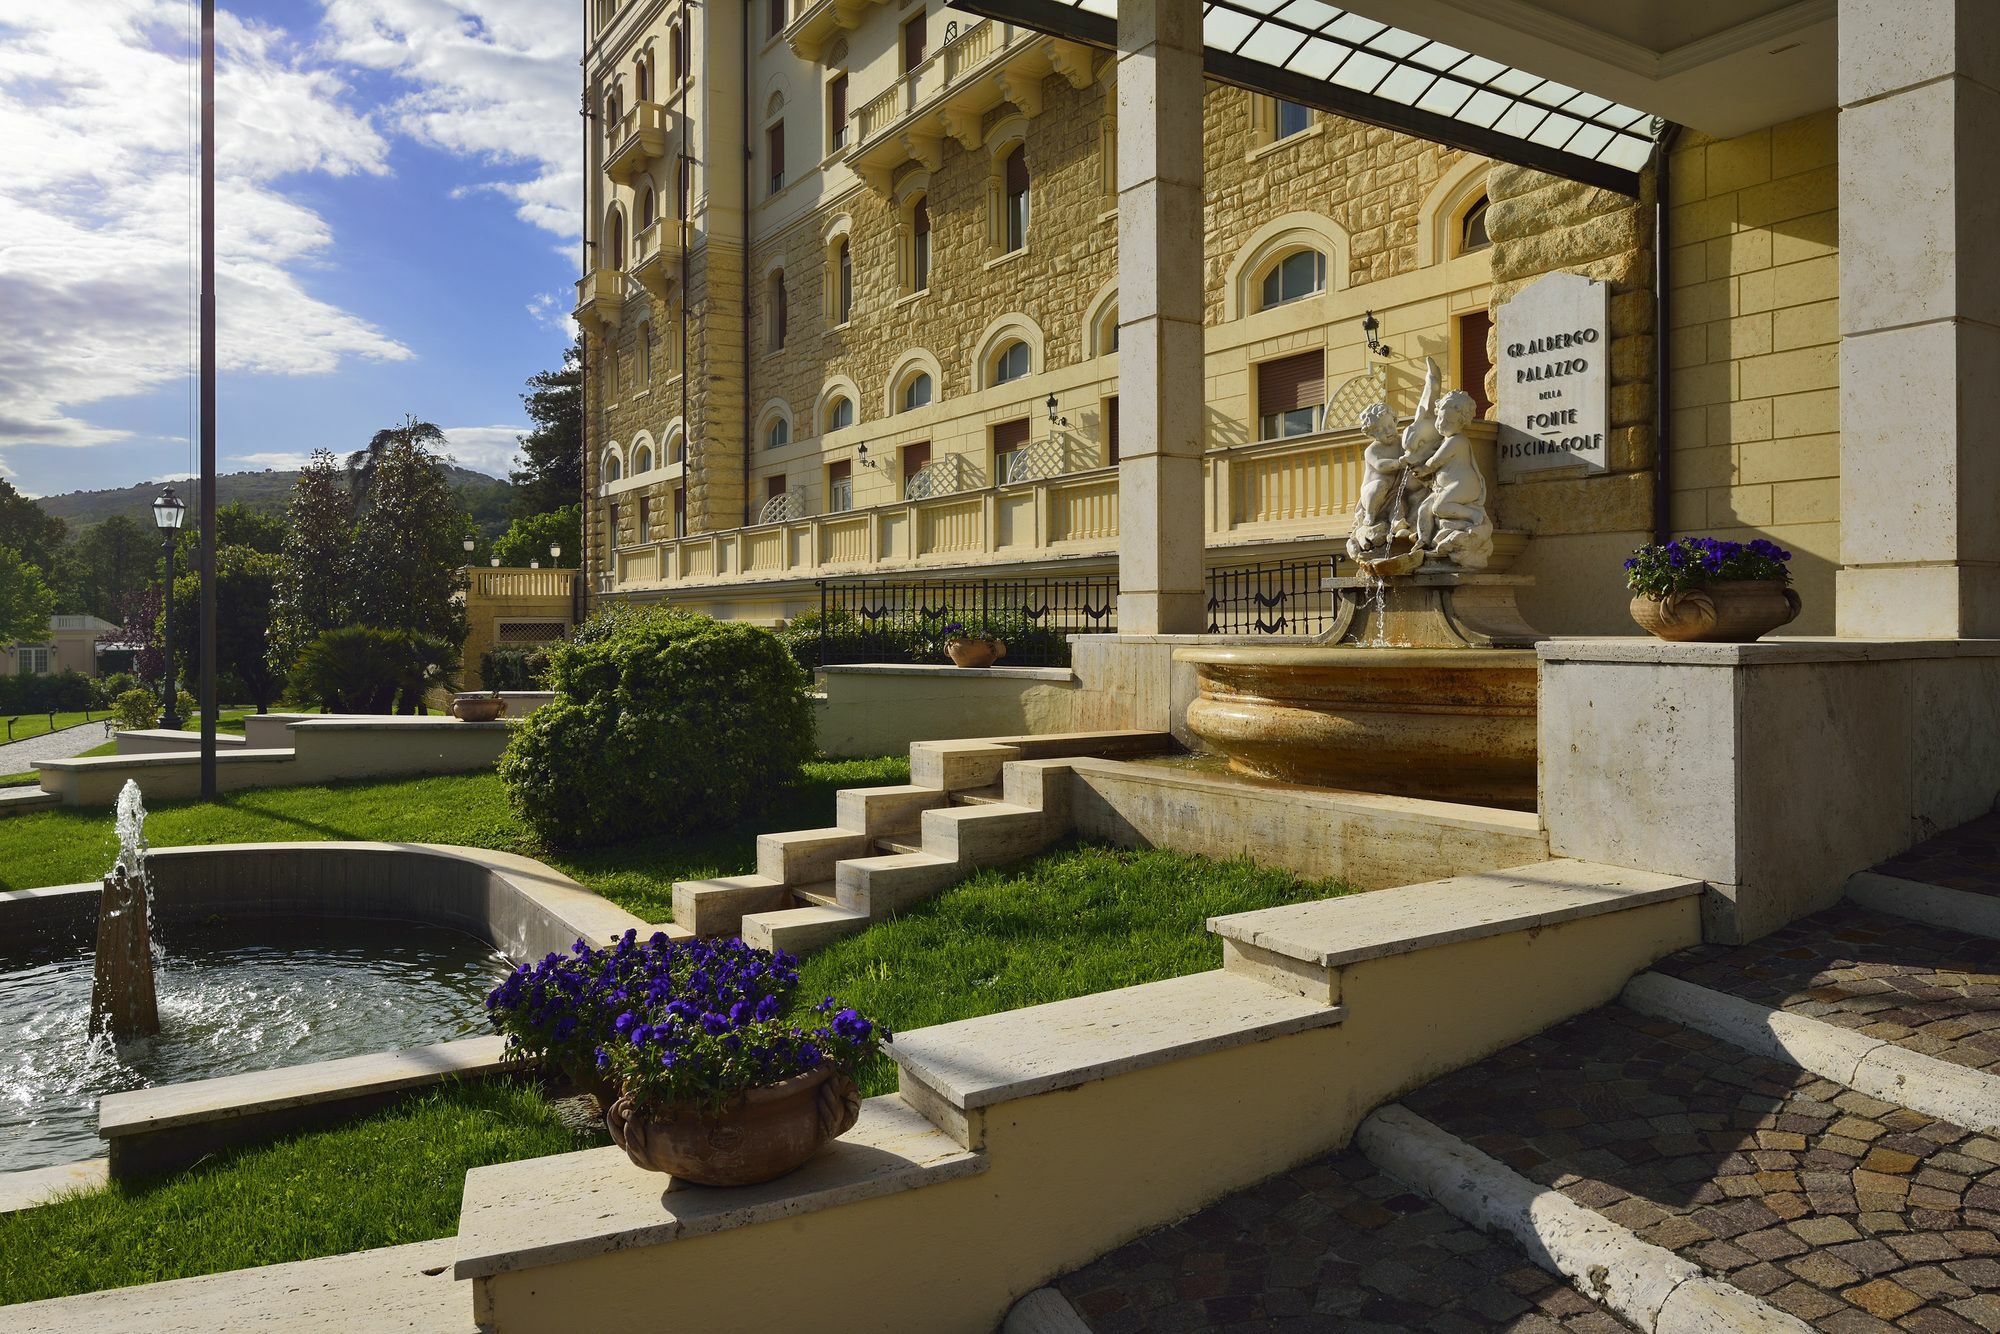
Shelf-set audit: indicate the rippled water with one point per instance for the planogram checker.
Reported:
(253, 996)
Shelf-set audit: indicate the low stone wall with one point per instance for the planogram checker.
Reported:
(165, 741)
(882, 709)
(1773, 771)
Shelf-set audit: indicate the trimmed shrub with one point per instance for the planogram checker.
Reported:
(662, 722)
(136, 710)
(63, 692)
(109, 688)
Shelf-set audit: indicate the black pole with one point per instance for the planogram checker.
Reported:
(208, 786)
(171, 712)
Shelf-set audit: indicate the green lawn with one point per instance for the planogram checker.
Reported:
(1074, 921)
(69, 846)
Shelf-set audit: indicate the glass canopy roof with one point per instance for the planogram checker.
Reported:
(1324, 56)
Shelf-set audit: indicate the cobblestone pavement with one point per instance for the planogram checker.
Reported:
(1921, 987)
(1967, 858)
(1851, 1214)
(1333, 1247)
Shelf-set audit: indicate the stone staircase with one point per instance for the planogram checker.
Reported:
(969, 804)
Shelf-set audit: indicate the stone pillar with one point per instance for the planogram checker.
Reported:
(1919, 318)
(1160, 364)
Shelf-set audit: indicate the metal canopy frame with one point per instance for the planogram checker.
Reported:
(1323, 56)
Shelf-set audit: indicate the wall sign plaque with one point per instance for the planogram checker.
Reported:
(1554, 373)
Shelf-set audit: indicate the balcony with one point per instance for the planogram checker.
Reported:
(656, 256)
(642, 137)
(600, 299)
(816, 22)
(948, 95)
(1297, 490)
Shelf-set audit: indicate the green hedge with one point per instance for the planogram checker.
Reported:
(64, 692)
(662, 722)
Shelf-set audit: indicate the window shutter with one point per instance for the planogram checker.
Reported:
(1017, 172)
(837, 103)
(1111, 429)
(1291, 383)
(839, 472)
(914, 459)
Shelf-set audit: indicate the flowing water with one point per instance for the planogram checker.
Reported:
(243, 996)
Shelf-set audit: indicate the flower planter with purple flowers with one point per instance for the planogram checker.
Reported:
(716, 1084)
(1699, 589)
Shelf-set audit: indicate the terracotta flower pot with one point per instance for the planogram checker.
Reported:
(1734, 612)
(975, 652)
(763, 1134)
(477, 708)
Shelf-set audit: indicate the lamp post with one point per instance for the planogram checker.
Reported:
(471, 544)
(168, 514)
(555, 553)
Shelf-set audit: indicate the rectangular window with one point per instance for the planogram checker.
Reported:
(916, 42)
(680, 511)
(1009, 440)
(1017, 200)
(775, 16)
(1111, 431)
(839, 487)
(1292, 119)
(1289, 393)
(645, 519)
(915, 459)
(836, 113)
(774, 144)
(774, 487)
(611, 534)
(1473, 363)
(920, 246)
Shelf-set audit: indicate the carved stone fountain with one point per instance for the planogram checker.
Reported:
(1426, 686)
(123, 1000)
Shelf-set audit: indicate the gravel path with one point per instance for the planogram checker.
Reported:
(22, 756)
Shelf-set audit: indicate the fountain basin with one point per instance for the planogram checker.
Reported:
(1439, 723)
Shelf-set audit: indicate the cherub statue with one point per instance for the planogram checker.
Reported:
(1452, 522)
(1388, 497)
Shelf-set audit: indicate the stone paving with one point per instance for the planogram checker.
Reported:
(1966, 858)
(1851, 1214)
(1922, 987)
(20, 756)
(1334, 1246)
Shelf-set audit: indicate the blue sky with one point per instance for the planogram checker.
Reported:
(398, 217)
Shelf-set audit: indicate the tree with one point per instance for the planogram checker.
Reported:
(104, 565)
(29, 531)
(312, 595)
(26, 603)
(246, 583)
(408, 554)
(530, 539)
(363, 463)
(551, 471)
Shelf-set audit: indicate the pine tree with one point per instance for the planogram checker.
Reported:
(551, 471)
(312, 594)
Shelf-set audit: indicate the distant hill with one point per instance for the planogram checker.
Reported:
(486, 498)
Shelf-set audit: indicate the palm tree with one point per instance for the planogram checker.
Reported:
(361, 463)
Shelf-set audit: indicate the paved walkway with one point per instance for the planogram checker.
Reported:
(1966, 858)
(1336, 1247)
(21, 756)
(1854, 1216)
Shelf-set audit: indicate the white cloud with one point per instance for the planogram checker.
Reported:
(96, 219)
(276, 460)
(495, 80)
(488, 449)
(549, 309)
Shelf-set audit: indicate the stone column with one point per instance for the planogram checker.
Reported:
(1160, 364)
(1919, 318)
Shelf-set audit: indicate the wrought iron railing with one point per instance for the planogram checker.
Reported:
(868, 620)
(1286, 598)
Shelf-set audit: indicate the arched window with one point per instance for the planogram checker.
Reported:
(613, 470)
(844, 283)
(614, 241)
(781, 311)
(1298, 275)
(676, 55)
(840, 413)
(1011, 363)
(1014, 173)
(920, 244)
(917, 392)
(642, 82)
(778, 434)
(646, 206)
(642, 460)
(676, 447)
(1472, 228)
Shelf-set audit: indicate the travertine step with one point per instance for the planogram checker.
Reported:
(1840, 1209)
(16, 800)
(820, 895)
(985, 796)
(890, 847)
(802, 930)
(1952, 880)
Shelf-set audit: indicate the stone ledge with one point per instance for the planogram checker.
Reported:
(39, 1185)
(168, 760)
(998, 1058)
(174, 1106)
(1328, 933)
(574, 1206)
(1766, 652)
(934, 670)
(395, 723)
